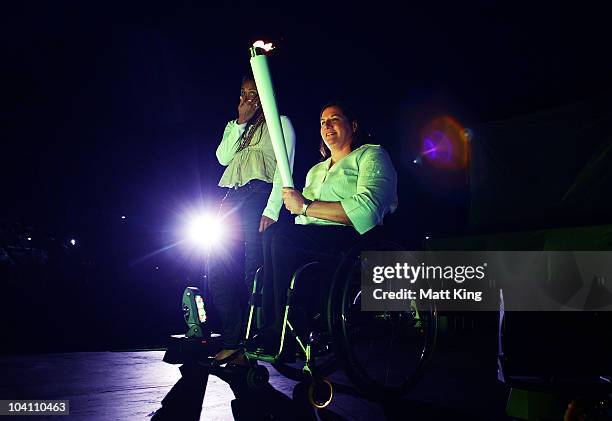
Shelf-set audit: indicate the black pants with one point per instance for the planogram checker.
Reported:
(286, 248)
(235, 259)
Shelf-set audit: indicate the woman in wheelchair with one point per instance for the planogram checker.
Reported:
(345, 196)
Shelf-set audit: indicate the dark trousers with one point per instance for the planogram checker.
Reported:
(235, 259)
(286, 248)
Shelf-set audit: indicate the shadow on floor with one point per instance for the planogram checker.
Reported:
(184, 401)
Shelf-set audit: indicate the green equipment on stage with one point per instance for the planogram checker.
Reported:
(194, 312)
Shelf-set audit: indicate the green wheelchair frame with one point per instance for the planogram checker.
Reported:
(320, 391)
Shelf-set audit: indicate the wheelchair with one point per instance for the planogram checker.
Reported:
(382, 353)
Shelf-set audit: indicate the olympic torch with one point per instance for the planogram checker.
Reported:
(263, 80)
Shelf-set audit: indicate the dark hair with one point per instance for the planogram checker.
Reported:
(248, 76)
(347, 111)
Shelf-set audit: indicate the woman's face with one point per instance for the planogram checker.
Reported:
(336, 130)
(248, 92)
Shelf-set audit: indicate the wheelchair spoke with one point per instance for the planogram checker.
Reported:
(380, 340)
(367, 361)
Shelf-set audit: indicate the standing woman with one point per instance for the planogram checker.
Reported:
(252, 203)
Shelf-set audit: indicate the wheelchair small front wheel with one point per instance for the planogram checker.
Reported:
(320, 393)
(257, 377)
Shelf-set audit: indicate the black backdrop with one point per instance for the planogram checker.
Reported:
(543, 170)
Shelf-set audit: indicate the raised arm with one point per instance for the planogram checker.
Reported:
(230, 142)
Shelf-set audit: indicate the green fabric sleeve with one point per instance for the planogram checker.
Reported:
(376, 190)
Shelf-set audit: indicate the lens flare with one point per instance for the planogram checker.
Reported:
(444, 143)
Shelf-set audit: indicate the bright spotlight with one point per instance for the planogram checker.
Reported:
(204, 230)
(73, 242)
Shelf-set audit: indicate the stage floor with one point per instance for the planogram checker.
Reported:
(459, 384)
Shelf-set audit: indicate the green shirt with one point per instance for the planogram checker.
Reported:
(256, 161)
(364, 182)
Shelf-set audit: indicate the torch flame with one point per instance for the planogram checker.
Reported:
(264, 46)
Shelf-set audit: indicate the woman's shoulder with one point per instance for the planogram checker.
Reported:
(370, 150)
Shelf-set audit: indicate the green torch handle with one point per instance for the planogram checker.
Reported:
(263, 80)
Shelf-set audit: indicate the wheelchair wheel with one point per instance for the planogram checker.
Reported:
(320, 393)
(257, 377)
(384, 353)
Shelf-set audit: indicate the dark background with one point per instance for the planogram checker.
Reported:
(111, 109)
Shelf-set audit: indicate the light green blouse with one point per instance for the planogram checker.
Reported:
(256, 161)
(364, 182)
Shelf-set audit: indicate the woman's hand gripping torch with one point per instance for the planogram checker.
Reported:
(263, 80)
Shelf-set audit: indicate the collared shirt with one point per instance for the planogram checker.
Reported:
(256, 161)
(364, 182)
